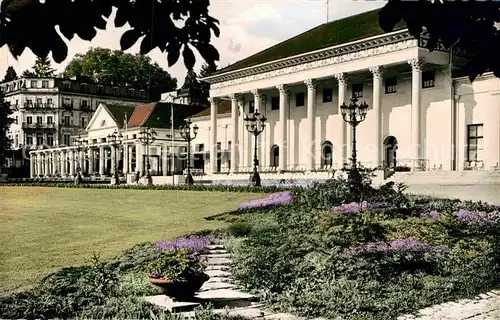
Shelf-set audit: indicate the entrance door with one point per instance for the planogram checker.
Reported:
(390, 147)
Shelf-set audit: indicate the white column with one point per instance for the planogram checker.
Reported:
(344, 139)
(46, 164)
(416, 92)
(283, 145)
(234, 134)
(311, 127)
(377, 72)
(71, 162)
(164, 158)
(102, 156)
(113, 159)
(213, 135)
(63, 163)
(39, 164)
(125, 158)
(81, 160)
(138, 162)
(32, 165)
(91, 160)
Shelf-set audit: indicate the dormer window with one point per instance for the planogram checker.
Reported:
(100, 88)
(131, 92)
(84, 87)
(143, 93)
(116, 91)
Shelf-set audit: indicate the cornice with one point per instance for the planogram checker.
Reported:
(337, 51)
(342, 53)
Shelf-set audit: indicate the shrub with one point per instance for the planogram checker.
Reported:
(190, 243)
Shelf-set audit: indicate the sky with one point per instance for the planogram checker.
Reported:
(247, 27)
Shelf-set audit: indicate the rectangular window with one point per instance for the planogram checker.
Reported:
(45, 84)
(29, 140)
(49, 120)
(229, 145)
(29, 103)
(49, 102)
(219, 145)
(16, 141)
(17, 120)
(475, 143)
(327, 95)
(39, 139)
(300, 99)
(67, 120)
(33, 84)
(39, 102)
(275, 103)
(29, 120)
(83, 122)
(39, 120)
(50, 140)
(390, 85)
(84, 104)
(251, 107)
(357, 90)
(200, 147)
(66, 139)
(428, 78)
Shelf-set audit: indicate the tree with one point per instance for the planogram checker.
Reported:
(469, 24)
(119, 68)
(206, 70)
(5, 122)
(10, 74)
(43, 68)
(192, 84)
(171, 26)
(27, 74)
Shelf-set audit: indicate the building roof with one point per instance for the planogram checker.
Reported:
(352, 28)
(118, 113)
(153, 115)
(223, 107)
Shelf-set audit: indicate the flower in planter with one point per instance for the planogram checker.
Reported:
(190, 243)
(477, 217)
(432, 215)
(398, 246)
(275, 199)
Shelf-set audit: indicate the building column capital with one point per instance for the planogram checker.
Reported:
(283, 89)
(235, 96)
(416, 64)
(377, 71)
(257, 93)
(311, 84)
(342, 77)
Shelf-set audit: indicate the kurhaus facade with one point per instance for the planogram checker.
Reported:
(419, 116)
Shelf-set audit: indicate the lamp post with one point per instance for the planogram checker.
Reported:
(186, 135)
(255, 125)
(147, 137)
(81, 144)
(354, 114)
(116, 139)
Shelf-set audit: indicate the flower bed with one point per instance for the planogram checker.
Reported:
(190, 243)
(275, 199)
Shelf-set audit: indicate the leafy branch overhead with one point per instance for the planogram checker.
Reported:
(173, 26)
(468, 24)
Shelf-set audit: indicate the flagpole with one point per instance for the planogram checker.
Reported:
(327, 13)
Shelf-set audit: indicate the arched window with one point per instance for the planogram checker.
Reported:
(326, 155)
(275, 156)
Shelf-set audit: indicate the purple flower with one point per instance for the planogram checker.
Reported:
(477, 217)
(433, 216)
(398, 246)
(191, 243)
(156, 275)
(352, 207)
(274, 199)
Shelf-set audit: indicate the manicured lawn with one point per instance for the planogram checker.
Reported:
(44, 229)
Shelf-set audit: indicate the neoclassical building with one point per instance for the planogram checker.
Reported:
(95, 151)
(421, 115)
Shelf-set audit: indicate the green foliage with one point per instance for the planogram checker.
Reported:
(10, 74)
(193, 27)
(5, 121)
(175, 265)
(43, 68)
(295, 257)
(119, 68)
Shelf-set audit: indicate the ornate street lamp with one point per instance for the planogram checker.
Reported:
(354, 114)
(147, 137)
(186, 135)
(116, 139)
(81, 144)
(255, 124)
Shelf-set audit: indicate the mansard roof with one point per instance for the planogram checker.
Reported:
(352, 28)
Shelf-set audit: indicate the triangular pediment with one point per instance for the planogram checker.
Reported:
(102, 119)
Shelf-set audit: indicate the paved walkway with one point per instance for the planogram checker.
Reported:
(489, 193)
